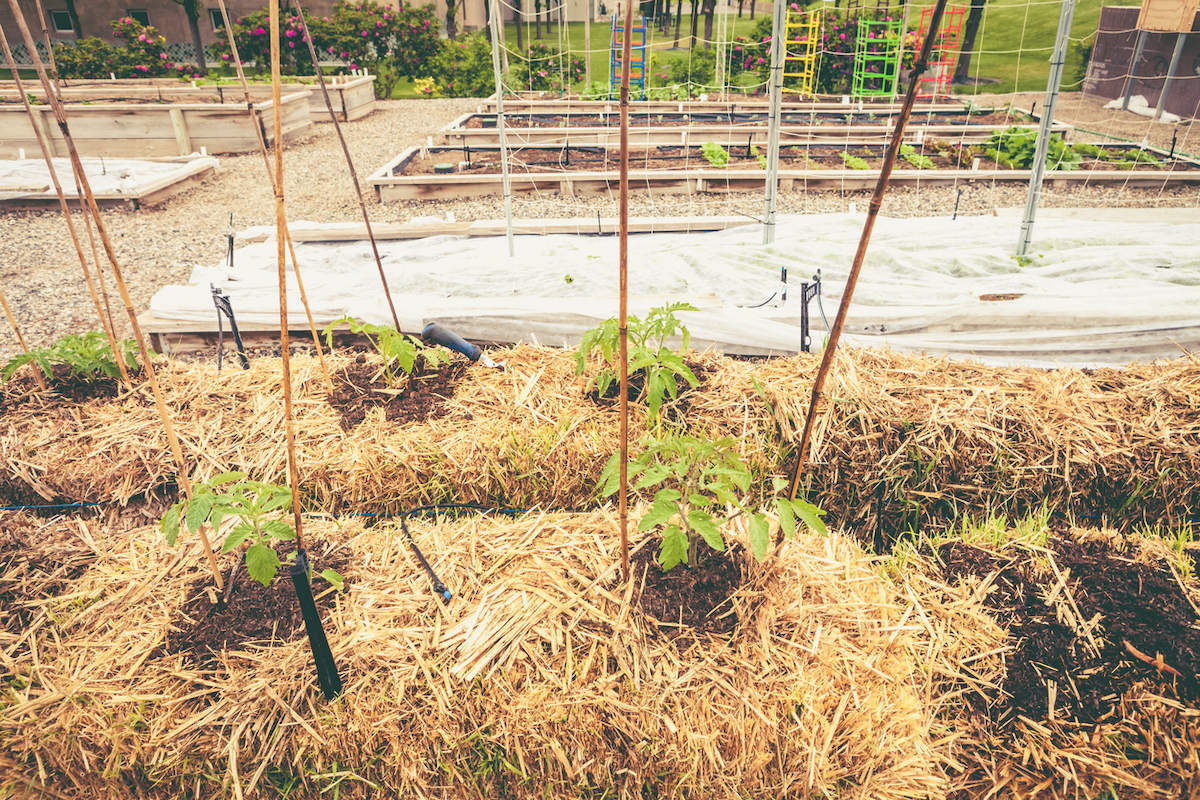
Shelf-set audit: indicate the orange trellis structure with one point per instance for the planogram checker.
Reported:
(944, 56)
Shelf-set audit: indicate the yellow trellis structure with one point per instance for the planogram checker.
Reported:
(802, 30)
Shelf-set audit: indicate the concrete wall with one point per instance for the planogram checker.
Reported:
(1113, 53)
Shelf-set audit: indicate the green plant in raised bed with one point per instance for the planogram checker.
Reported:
(660, 366)
(1016, 148)
(854, 162)
(88, 355)
(258, 507)
(399, 352)
(918, 160)
(1092, 151)
(696, 481)
(715, 154)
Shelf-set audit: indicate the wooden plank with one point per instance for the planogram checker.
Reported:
(181, 131)
(1172, 16)
(381, 231)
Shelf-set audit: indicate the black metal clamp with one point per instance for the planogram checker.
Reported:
(225, 307)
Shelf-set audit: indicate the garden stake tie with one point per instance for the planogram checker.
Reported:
(872, 211)
(623, 303)
(327, 674)
(147, 364)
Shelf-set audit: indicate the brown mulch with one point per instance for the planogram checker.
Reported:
(694, 596)
(361, 386)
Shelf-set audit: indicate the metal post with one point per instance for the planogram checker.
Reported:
(1162, 98)
(1131, 78)
(778, 43)
(495, 21)
(1043, 140)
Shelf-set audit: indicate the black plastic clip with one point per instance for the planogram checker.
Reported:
(225, 307)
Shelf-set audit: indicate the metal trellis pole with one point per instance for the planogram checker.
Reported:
(778, 34)
(500, 126)
(1043, 140)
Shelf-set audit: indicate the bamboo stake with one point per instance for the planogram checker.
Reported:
(147, 363)
(623, 314)
(362, 204)
(859, 255)
(262, 145)
(280, 237)
(37, 372)
(83, 211)
(48, 156)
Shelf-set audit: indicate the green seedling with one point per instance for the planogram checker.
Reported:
(88, 355)
(714, 154)
(1016, 148)
(661, 367)
(259, 508)
(399, 352)
(918, 160)
(853, 162)
(696, 482)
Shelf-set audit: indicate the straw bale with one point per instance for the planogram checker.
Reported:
(540, 678)
(901, 441)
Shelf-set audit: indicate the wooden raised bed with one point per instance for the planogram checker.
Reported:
(693, 127)
(352, 96)
(396, 179)
(134, 131)
(576, 106)
(192, 171)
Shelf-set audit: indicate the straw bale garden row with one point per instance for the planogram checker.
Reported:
(998, 597)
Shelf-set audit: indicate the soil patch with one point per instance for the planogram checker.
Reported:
(254, 613)
(691, 597)
(361, 386)
(1136, 604)
(637, 382)
(34, 565)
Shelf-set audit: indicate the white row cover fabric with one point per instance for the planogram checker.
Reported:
(1091, 294)
(106, 176)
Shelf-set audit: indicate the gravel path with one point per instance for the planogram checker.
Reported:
(41, 278)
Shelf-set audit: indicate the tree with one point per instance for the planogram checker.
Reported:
(964, 57)
(519, 16)
(74, 19)
(678, 20)
(710, 10)
(537, 18)
(452, 19)
(193, 9)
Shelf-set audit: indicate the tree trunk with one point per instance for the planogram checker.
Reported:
(537, 19)
(74, 19)
(710, 10)
(451, 21)
(678, 21)
(487, 21)
(751, 10)
(962, 68)
(194, 23)
(740, 4)
(519, 16)
(695, 21)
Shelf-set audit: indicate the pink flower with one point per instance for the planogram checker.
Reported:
(343, 54)
(162, 55)
(225, 56)
(291, 44)
(364, 33)
(841, 36)
(141, 37)
(759, 61)
(259, 31)
(354, 66)
(378, 24)
(331, 49)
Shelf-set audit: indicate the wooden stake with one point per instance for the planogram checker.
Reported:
(873, 211)
(262, 145)
(362, 204)
(147, 363)
(48, 156)
(37, 371)
(623, 313)
(280, 237)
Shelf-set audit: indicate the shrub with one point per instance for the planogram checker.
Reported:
(141, 54)
(463, 68)
(546, 68)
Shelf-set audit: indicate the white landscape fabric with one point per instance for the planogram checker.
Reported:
(1092, 294)
(105, 175)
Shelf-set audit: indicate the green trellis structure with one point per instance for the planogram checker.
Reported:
(876, 58)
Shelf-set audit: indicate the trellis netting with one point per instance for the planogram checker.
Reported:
(1089, 294)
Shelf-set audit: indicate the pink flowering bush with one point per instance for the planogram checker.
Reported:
(464, 68)
(138, 54)
(547, 70)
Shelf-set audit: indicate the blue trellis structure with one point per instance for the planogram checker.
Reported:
(876, 58)
(637, 57)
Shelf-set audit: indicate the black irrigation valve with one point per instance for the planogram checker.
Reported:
(225, 308)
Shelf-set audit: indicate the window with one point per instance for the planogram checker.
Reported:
(214, 16)
(139, 15)
(62, 22)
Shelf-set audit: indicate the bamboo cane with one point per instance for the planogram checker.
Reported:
(12, 320)
(280, 235)
(105, 323)
(856, 267)
(147, 363)
(362, 204)
(111, 328)
(262, 145)
(623, 302)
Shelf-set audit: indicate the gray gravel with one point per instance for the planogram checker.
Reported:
(156, 246)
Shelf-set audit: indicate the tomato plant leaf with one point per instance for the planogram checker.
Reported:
(703, 523)
(760, 536)
(262, 563)
(334, 578)
(674, 547)
(197, 511)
